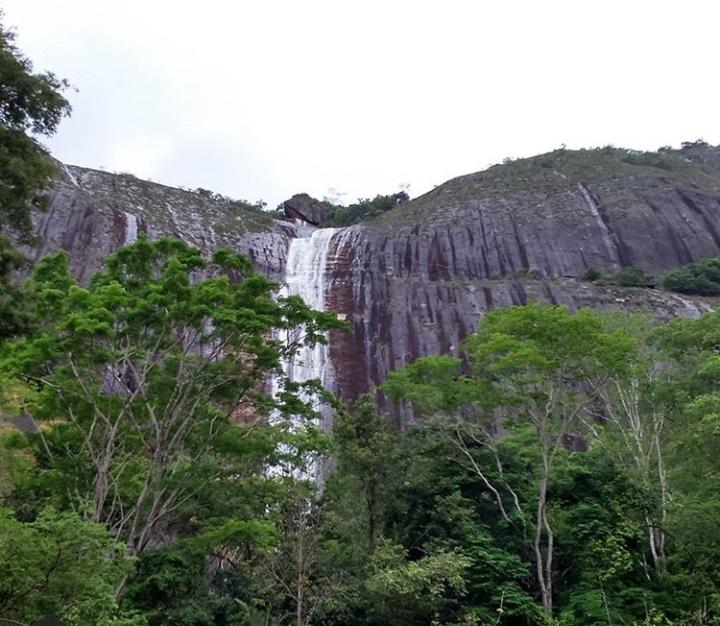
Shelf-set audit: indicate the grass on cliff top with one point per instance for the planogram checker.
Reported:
(695, 163)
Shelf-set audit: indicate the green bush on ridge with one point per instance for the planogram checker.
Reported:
(699, 278)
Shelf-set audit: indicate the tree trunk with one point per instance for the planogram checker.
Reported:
(370, 502)
(300, 582)
(543, 561)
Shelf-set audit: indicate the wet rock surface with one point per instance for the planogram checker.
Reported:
(417, 280)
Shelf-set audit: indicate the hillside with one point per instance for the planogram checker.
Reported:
(416, 280)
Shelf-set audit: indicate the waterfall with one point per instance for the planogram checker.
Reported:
(607, 236)
(70, 176)
(305, 275)
(131, 228)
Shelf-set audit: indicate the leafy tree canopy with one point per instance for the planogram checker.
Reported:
(63, 566)
(29, 103)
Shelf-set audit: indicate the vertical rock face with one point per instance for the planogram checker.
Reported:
(415, 282)
(76, 223)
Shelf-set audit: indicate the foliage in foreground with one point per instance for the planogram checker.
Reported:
(567, 472)
(60, 565)
(146, 395)
(29, 103)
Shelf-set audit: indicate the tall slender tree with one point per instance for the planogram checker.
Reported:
(535, 367)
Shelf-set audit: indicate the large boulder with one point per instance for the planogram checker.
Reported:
(306, 208)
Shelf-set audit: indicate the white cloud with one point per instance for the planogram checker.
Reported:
(264, 99)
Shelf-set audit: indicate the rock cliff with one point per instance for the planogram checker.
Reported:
(416, 280)
(91, 213)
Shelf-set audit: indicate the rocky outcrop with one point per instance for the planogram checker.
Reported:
(418, 280)
(91, 213)
(306, 208)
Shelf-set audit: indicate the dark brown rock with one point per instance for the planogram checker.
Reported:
(417, 281)
(306, 208)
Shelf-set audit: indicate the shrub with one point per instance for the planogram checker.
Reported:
(591, 274)
(633, 277)
(648, 159)
(366, 208)
(699, 278)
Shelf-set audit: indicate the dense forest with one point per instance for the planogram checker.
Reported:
(563, 471)
(568, 471)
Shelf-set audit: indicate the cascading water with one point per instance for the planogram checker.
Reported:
(131, 228)
(70, 176)
(305, 277)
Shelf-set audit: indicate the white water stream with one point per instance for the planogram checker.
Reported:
(131, 228)
(72, 178)
(305, 277)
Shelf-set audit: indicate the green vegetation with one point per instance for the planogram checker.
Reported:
(700, 278)
(61, 565)
(563, 472)
(592, 274)
(365, 208)
(568, 469)
(146, 389)
(629, 276)
(233, 205)
(541, 181)
(29, 102)
(649, 159)
(633, 277)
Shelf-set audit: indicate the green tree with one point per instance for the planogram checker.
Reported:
(701, 277)
(348, 521)
(149, 387)
(366, 450)
(439, 504)
(61, 566)
(694, 450)
(633, 277)
(29, 103)
(633, 430)
(365, 208)
(602, 547)
(535, 369)
(402, 591)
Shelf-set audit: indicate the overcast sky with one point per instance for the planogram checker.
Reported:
(266, 98)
